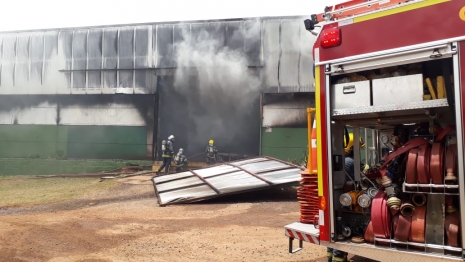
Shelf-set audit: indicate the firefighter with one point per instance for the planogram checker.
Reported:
(180, 161)
(211, 152)
(168, 152)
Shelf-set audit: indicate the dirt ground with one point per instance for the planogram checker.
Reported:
(129, 225)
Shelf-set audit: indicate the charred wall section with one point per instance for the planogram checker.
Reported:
(286, 110)
(215, 91)
(284, 130)
(194, 120)
(206, 75)
(128, 59)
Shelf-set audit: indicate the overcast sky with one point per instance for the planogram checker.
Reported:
(42, 14)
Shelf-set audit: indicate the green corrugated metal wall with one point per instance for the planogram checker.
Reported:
(291, 143)
(30, 140)
(284, 143)
(98, 142)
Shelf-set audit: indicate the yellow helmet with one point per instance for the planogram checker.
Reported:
(348, 146)
(211, 142)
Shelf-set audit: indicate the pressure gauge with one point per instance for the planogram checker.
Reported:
(346, 231)
(384, 139)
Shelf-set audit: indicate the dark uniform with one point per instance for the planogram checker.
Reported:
(211, 153)
(180, 161)
(167, 155)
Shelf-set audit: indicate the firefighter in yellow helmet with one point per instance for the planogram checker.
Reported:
(349, 155)
(211, 152)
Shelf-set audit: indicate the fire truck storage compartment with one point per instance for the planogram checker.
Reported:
(372, 90)
(350, 95)
(398, 89)
(408, 101)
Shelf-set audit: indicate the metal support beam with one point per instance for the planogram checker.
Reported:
(206, 182)
(356, 133)
(273, 170)
(224, 173)
(291, 240)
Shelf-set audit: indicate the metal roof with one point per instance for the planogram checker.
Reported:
(224, 179)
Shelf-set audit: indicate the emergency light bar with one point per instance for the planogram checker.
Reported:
(331, 37)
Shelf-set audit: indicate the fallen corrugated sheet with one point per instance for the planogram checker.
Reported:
(224, 179)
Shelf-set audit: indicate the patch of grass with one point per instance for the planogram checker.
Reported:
(36, 166)
(26, 191)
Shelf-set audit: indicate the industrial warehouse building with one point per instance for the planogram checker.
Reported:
(114, 92)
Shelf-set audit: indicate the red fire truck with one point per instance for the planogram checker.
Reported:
(390, 73)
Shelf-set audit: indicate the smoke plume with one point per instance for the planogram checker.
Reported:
(222, 92)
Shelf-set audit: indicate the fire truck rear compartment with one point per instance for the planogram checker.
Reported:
(386, 107)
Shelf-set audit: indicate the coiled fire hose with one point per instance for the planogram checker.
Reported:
(424, 162)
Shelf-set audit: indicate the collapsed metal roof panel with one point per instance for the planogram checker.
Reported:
(162, 179)
(235, 181)
(211, 171)
(187, 181)
(283, 176)
(252, 160)
(180, 195)
(224, 179)
(264, 166)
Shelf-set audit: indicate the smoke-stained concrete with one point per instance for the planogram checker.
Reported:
(56, 103)
(210, 73)
(214, 94)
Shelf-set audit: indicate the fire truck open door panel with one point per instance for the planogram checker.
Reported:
(392, 118)
(392, 79)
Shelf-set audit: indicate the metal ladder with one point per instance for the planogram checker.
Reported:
(370, 152)
(355, 7)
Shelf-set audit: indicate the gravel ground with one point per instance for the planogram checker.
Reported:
(127, 224)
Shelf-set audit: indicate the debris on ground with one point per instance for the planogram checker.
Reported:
(224, 179)
(127, 171)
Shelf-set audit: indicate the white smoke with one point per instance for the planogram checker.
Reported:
(220, 70)
(224, 86)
